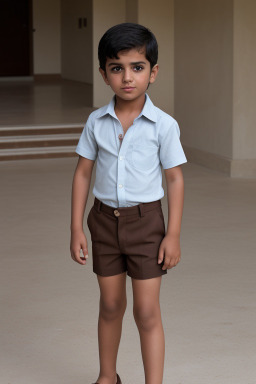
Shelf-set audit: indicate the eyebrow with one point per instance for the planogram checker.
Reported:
(134, 63)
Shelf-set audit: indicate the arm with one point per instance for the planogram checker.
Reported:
(170, 247)
(80, 190)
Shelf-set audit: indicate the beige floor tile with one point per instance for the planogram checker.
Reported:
(49, 304)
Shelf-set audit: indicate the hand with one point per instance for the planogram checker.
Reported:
(169, 250)
(78, 242)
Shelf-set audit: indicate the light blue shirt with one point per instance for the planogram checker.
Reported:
(128, 171)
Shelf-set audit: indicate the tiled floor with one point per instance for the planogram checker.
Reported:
(49, 304)
(26, 103)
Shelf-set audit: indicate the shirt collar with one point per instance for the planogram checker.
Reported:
(148, 110)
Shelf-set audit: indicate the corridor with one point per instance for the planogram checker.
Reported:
(50, 303)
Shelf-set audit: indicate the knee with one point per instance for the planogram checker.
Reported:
(146, 318)
(112, 308)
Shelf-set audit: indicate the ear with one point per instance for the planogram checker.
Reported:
(104, 75)
(153, 74)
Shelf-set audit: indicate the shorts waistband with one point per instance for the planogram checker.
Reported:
(126, 211)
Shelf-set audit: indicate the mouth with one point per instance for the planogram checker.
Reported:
(128, 88)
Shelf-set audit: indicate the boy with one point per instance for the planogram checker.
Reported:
(131, 139)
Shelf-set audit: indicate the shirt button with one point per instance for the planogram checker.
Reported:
(120, 185)
(121, 157)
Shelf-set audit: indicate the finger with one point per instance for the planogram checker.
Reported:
(73, 255)
(160, 255)
(84, 254)
(78, 259)
(84, 249)
(166, 262)
(165, 266)
(173, 263)
(177, 261)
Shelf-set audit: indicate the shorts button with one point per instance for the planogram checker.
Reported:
(116, 213)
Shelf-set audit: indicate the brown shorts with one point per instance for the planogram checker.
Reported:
(127, 239)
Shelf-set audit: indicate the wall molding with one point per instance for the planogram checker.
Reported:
(243, 168)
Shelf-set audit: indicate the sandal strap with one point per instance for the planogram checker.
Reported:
(118, 380)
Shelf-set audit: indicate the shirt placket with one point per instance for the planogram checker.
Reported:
(122, 146)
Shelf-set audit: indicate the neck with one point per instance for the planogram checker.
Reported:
(130, 106)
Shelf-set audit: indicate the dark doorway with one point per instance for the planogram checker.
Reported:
(16, 37)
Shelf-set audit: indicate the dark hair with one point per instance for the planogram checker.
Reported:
(127, 36)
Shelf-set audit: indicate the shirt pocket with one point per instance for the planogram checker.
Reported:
(144, 157)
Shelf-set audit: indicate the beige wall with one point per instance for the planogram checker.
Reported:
(76, 43)
(203, 74)
(46, 38)
(158, 17)
(244, 111)
(215, 83)
(131, 10)
(105, 15)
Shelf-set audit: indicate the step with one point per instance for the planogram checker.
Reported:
(28, 141)
(41, 130)
(40, 141)
(37, 153)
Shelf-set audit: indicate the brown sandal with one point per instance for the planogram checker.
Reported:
(118, 380)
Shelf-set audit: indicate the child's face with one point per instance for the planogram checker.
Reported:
(130, 75)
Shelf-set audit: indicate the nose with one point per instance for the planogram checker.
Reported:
(127, 77)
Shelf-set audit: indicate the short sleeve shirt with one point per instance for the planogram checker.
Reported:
(128, 168)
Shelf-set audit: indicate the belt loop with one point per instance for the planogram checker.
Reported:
(141, 209)
(99, 205)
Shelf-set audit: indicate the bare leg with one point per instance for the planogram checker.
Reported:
(111, 311)
(147, 315)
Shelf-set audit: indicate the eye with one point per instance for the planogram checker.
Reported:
(116, 69)
(138, 68)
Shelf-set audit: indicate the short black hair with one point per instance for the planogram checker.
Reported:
(127, 36)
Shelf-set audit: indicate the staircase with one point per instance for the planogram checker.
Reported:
(37, 142)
